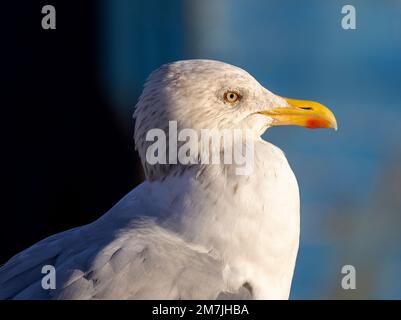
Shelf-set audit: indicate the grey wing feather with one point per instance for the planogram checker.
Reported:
(24, 269)
(145, 262)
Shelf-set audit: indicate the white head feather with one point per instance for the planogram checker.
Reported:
(192, 92)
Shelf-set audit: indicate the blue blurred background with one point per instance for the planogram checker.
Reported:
(68, 96)
(350, 180)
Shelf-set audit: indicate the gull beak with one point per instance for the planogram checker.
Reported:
(309, 114)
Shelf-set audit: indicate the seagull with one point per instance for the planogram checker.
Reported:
(190, 230)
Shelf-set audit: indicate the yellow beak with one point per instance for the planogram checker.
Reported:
(309, 114)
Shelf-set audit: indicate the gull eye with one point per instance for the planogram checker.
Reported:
(231, 97)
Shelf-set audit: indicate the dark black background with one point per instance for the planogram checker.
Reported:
(65, 158)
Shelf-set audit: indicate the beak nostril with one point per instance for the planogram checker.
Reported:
(306, 108)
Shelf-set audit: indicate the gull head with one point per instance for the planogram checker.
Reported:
(207, 94)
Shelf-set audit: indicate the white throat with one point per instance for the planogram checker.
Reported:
(242, 219)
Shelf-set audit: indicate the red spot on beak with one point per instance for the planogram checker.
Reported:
(316, 123)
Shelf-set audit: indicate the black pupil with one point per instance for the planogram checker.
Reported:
(231, 95)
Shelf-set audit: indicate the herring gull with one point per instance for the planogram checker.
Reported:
(194, 230)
